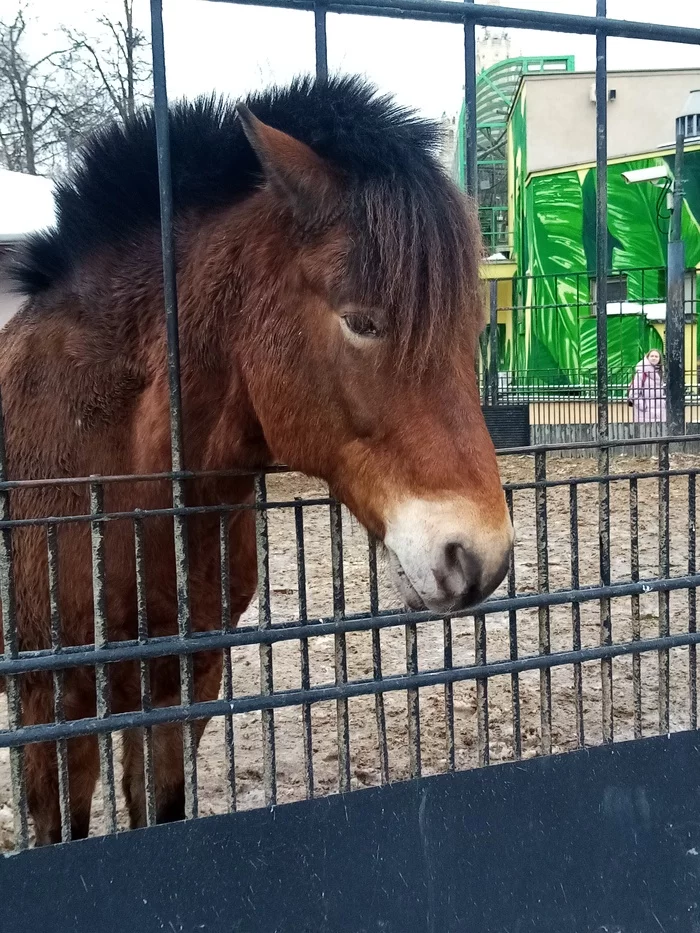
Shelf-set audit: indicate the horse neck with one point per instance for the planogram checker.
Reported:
(220, 428)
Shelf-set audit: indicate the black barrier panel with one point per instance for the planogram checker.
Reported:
(605, 840)
(509, 425)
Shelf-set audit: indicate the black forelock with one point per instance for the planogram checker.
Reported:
(113, 191)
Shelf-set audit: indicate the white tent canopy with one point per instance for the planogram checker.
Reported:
(26, 205)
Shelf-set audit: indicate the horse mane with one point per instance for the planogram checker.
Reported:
(423, 248)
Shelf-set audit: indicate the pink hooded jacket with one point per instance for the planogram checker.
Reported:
(647, 392)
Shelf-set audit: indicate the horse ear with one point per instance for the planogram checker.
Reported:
(293, 168)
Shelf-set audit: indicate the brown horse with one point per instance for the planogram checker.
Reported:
(329, 310)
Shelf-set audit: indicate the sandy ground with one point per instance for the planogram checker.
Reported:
(365, 769)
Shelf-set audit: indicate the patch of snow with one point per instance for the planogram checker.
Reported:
(26, 205)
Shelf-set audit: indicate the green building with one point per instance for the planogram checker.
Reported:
(545, 238)
(552, 215)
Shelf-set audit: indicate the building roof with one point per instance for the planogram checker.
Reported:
(26, 205)
(531, 76)
(627, 72)
(660, 153)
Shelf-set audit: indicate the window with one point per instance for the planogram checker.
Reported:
(691, 294)
(617, 290)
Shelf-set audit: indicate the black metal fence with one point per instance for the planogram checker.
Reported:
(537, 359)
(328, 686)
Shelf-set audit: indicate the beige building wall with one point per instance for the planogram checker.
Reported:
(561, 114)
(9, 302)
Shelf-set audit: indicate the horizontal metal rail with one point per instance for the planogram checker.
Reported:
(135, 477)
(155, 513)
(285, 698)
(116, 652)
(278, 469)
(597, 445)
(220, 509)
(447, 11)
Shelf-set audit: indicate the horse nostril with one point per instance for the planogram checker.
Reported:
(458, 560)
(461, 572)
(462, 577)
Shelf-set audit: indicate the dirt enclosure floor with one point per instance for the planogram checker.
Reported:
(365, 765)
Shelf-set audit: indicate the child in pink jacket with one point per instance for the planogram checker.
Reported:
(647, 392)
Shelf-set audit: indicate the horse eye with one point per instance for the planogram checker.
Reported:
(362, 325)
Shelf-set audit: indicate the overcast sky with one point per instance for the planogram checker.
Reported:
(233, 49)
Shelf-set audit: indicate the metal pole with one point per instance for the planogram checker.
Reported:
(675, 305)
(184, 623)
(160, 100)
(446, 11)
(321, 42)
(601, 87)
(470, 167)
(493, 343)
(8, 604)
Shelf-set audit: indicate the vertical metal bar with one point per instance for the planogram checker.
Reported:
(321, 41)
(377, 664)
(513, 645)
(144, 672)
(675, 304)
(664, 571)
(189, 745)
(226, 626)
(493, 342)
(162, 124)
(341, 652)
(449, 694)
(9, 634)
(636, 618)
(601, 84)
(304, 652)
(265, 622)
(543, 587)
(576, 613)
(692, 601)
(676, 227)
(471, 173)
(101, 640)
(58, 684)
(482, 691)
(413, 703)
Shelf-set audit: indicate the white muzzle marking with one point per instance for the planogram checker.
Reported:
(443, 554)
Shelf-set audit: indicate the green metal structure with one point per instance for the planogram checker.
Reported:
(496, 88)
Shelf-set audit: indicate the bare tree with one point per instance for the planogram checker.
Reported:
(29, 100)
(119, 56)
(50, 103)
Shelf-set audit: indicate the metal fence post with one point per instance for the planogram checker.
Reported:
(321, 42)
(493, 343)
(182, 574)
(471, 175)
(601, 87)
(675, 305)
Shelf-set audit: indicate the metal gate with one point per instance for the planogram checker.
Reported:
(590, 642)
